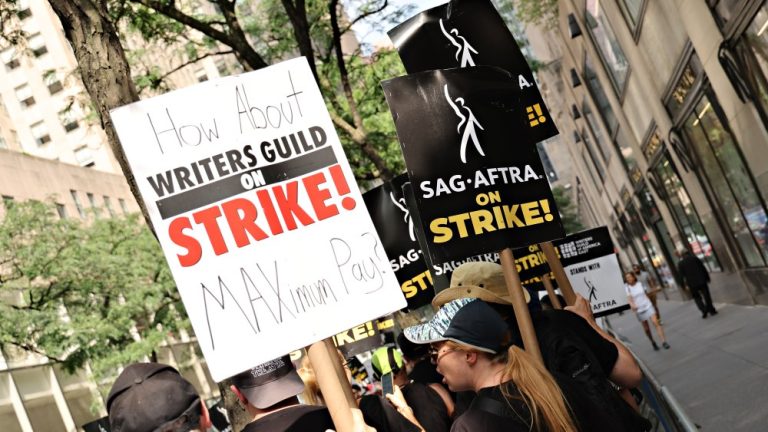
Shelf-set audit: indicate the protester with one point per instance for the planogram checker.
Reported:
(641, 304)
(417, 364)
(546, 302)
(268, 392)
(571, 342)
(155, 397)
(650, 283)
(471, 349)
(431, 403)
(695, 276)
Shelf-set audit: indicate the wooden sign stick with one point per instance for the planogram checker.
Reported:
(557, 268)
(551, 291)
(333, 382)
(522, 314)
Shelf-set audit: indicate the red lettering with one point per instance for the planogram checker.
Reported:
(289, 205)
(208, 218)
(241, 216)
(318, 196)
(268, 210)
(176, 234)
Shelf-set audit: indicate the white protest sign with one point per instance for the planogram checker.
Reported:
(599, 281)
(258, 214)
(592, 268)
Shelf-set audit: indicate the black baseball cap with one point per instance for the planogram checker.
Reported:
(468, 321)
(269, 383)
(147, 396)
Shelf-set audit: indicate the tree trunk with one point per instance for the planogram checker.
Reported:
(107, 78)
(103, 68)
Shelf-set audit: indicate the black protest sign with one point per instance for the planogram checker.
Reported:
(531, 265)
(397, 231)
(358, 370)
(99, 425)
(219, 417)
(359, 339)
(479, 186)
(465, 33)
(593, 270)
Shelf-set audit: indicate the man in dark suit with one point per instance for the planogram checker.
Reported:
(696, 277)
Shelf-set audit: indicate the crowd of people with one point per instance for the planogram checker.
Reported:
(464, 370)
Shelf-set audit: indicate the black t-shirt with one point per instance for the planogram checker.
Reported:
(428, 407)
(425, 372)
(491, 411)
(382, 416)
(298, 418)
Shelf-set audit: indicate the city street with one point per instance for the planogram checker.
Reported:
(717, 367)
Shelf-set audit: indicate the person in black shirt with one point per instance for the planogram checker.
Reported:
(572, 344)
(431, 404)
(269, 391)
(514, 392)
(696, 277)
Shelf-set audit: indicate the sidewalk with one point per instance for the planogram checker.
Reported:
(717, 367)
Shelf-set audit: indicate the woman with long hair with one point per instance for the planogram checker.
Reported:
(470, 346)
(643, 307)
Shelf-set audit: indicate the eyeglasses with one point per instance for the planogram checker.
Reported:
(436, 355)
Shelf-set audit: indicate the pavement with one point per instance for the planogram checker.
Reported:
(717, 368)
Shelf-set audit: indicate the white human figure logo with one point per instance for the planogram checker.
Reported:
(469, 122)
(406, 214)
(463, 48)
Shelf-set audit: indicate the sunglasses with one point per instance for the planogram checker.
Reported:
(436, 355)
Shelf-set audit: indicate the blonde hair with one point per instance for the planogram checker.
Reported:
(538, 389)
(311, 394)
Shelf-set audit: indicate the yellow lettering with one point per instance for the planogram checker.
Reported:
(442, 232)
(510, 215)
(482, 220)
(461, 223)
(531, 213)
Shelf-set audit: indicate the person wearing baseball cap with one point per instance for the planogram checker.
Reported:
(153, 397)
(571, 342)
(268, 391)
(471, 348)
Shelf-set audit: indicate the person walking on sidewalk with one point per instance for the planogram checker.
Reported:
(696, 277)
(641, 304)
(650, 284)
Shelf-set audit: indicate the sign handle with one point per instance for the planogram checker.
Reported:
(551, 291)
(522, 314)
(557, 268)
(333, 383)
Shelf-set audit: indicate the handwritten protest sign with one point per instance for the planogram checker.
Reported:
(593, 269)
(256, 209)
(466, 33)
(397, 230)
(479, 186)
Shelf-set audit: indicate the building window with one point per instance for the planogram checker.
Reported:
(79, 206)
(9, 58)
(23, 10)
(599, 96)
(61, 210)
(7, 201)
(594, 127)
(632, 10)
(84, 156)
(727, 174)
(724, 11)
(122, 205)
(753, 47)
(108, 205)
(627, 154)
(671, 189)
(201, 76)
(591, 151)
(40, 132)
(607, 45)
(3, 144)
(222, 68)
(24, 95)
(53, 83)
(68, 119)
(92, 202)
(36, 43)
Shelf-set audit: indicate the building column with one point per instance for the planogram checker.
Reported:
(61, 401)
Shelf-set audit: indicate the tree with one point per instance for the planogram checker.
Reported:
(100, 294)
(543, 12)
(568, 214)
